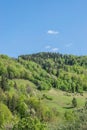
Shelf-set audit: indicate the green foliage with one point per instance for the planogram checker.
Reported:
(39, 109)
(47, 70)
(85, 104)
(12, 103)
(46, 97)
(5, 114)
(4, 83)
(29, 123)
(68, 72)
(76, 124)
(22, 108)
(22, 78)
(69, 116)
(74, 102)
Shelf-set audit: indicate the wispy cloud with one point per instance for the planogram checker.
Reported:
(48, 47)
(54, 49)
(51, 49)
(68, 45)
(52, 32)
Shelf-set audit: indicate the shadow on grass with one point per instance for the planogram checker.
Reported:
(68, 107)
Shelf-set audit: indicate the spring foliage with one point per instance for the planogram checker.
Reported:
(23, 80)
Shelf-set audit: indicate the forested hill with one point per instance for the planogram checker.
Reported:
(37, 92)
(68, 72)
(47, 70)
(57, 58)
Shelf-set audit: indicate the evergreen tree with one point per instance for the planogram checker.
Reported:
(4, 83)
(74, 102)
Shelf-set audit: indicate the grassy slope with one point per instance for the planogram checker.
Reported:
(62, 101)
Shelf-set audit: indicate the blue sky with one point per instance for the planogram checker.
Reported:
(31, 26)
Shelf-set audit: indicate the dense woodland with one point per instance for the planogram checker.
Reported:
(25, 83)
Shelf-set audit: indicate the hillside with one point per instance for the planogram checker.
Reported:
(68, 72)
(37, 91)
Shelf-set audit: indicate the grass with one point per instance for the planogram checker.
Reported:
(21, 86)
(22, 82)
(62, 101)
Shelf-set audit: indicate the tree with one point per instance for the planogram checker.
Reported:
(4, 83)
(5, 115)
(86, 105)
(74, 102)
(29, 123)
(22, 108)
(73, 85)
(13, 103)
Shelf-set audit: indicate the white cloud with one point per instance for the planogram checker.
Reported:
(48, 47)
(54, 49)
(51, 49)
(69, 45)
(52, 32)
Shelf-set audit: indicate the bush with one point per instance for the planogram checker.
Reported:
(74, 102)
(5, 114)
(29, 123)
(47, 97)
